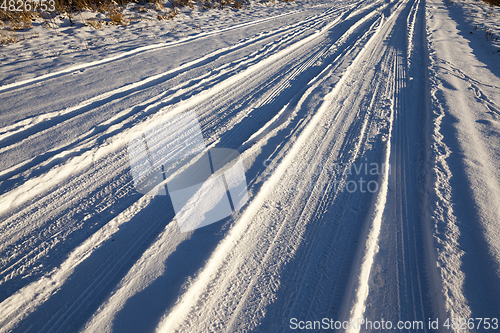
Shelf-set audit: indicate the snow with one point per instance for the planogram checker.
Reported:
(366, 133)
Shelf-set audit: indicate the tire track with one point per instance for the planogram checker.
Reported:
(397, 286)
(134, 52)
(209, 291)
(84, 147)
(13, 266)
(15, 138)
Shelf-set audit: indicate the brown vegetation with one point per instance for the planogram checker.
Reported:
(116, 17)
(19, 20)
(7, 37)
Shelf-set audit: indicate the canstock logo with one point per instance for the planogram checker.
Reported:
(205, 185)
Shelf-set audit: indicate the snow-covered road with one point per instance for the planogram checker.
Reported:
(369, 135)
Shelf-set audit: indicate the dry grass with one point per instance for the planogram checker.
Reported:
(116, 17)
(168, 16)
(16, 21)
(22, 20)
(94, 23)
(493, 2)
(158, 5)
(208, 4)
(103, 6)
(140, 9)
(7, 37)
(182, 3)
(237, 4)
